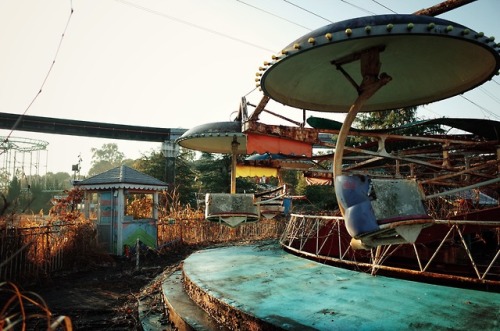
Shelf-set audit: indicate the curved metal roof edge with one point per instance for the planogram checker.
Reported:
(122, 186)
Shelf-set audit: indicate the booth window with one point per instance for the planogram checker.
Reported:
(139, 205)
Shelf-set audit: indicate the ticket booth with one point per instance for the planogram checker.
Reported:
(124, 204)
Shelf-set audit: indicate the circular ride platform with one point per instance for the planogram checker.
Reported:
(261, 287)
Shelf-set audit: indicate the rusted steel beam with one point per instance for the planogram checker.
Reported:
(306, 135)
(461, 189)
(445, 184)
(302, 221)
(427, 274)
(260, 107)
(282, 117)
(427, 139)
(466, 171)
(395, 157)
(442, 7)
(363, 163)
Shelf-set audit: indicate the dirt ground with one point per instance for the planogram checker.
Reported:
(106, 295)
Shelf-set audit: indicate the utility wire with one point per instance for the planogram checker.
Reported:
(481, 107)
(389, 9)
(370, 12)
(485, 110)
(269, 13)
(178, 20)
(18, 121)
(250, 91)
(310, 12)
(358, 7)
(431, 111)
(491, 95)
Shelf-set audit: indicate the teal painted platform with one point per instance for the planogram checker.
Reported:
(295, 293)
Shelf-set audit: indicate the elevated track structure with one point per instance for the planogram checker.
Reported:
(25, 157)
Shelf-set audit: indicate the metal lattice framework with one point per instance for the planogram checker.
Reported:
(453, 257)
(20, 157)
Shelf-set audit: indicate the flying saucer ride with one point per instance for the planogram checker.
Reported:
(372, 64)
(225, 138)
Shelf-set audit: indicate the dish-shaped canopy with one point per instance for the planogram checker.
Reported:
(214, 137)
(428, 58)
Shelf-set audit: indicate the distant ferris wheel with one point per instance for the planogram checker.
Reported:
(20, 157)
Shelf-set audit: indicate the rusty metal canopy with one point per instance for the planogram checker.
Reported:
(428, 58)
(488, 129)
(214, 137)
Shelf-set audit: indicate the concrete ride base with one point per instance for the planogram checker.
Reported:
(262, 287)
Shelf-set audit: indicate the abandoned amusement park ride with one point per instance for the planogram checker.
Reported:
(417, 206)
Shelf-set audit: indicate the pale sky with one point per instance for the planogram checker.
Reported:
(176, 64)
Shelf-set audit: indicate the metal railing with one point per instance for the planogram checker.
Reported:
(449, 256)
(30, 253)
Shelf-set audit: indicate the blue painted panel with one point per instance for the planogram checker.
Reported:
(352, 195)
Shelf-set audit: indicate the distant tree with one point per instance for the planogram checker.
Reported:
(214, 173)
(402, 119)
(128, 162)
(10, 201)
(108, 152)
(154, 164)
(36, 199)
(293, 180)
(14, 189)
(247, 185)
(322, 196)
(4, 180)
(4, 204)
(18, 198)
(185, 176)
(386, 119)
(396, 118)
(59, 181)
(105, 158)
(34, 193)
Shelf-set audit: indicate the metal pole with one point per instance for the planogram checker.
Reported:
(137, 248)
(234, 150)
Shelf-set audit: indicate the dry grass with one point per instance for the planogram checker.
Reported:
(22, 310)
(33, 247)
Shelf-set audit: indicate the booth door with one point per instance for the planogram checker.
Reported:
(105, 233)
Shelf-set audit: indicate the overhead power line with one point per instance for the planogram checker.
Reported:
(46, 75)
(435, 10)
(482, 108)
(277, 16)
(491, 95)
(310, 12)
(358, 7)
(389, 9)
(178, 20)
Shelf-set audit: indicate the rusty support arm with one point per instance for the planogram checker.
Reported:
(442, 7)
